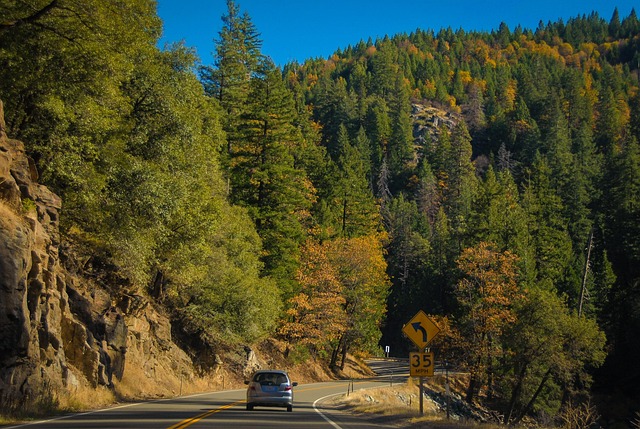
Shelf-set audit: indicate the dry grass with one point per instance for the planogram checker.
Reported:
(399, 406)
(84, 398)
(9, 220)
(136, 384)
(400, 399)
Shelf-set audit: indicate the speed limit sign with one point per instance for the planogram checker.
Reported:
(421, 364)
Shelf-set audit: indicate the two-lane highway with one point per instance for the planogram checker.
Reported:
(223, 410)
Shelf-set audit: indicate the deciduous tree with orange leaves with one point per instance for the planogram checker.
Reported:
(343, 291)
(315, 315)
(361, 268)
(486, 294)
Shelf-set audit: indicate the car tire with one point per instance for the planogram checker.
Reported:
(249, 407)
(289, 408)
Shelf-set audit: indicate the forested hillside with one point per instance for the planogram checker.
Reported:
(491, 179)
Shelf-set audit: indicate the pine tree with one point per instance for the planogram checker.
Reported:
(334, 106)
(624, 210)
(265, 178)
(461, 181)
(544, 209)
(630, 25)
(237, 58)
(608, 124)
(428, 195)
(378, 128)
(407, 255)
(384, 70)
(615, 28)
(400, 148)
(351, 195)
(525, 134)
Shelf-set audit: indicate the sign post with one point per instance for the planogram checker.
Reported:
(421, 330)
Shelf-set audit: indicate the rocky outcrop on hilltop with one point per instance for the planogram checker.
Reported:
(429, 121)
(60, 331)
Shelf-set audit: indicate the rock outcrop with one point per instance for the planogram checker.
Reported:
(428, 122)
(58, 330)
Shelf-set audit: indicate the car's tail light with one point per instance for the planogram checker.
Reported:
(287, 387)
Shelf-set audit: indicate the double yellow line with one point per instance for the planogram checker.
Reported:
(188, 422)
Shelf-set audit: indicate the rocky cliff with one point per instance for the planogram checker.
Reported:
(60, 331)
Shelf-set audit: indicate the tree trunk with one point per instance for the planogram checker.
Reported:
(157, 288)
(471, 389)
(489, 370)
(345, 349)
(335, 352)
(533, 399)
(515, 394)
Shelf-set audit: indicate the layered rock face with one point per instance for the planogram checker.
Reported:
(32, 296)
(57, 329)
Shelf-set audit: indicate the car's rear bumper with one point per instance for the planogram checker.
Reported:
(270, 401)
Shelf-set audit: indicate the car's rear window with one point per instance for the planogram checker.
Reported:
(270, 378)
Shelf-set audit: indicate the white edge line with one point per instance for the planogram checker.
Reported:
(331, 422)
(85, 413)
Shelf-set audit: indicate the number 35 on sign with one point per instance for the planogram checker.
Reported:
(421, 364)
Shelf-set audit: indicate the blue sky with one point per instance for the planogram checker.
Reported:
(301, 29)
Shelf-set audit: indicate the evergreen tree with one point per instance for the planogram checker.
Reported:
(384, 69)
(609, 123)
(630, 25)
(552, 243)
(408, 257)
(363, 145)
(400, 148)
(334, 106)
(615, 27)
(265, 178)
(623, 210)
(525, 134)
(443, 255)
(351, 196)
(499, 218)
(237, 58)
(429, 197)
(461, 181)
(378, 128)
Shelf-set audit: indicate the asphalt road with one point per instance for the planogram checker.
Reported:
(312, 409)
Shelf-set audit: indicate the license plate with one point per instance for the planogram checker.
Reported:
(269, 388)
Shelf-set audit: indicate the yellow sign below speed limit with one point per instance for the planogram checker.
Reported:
(421, 364)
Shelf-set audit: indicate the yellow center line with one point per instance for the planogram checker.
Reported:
(188, 422)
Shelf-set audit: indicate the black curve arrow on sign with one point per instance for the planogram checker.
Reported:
(418, 327)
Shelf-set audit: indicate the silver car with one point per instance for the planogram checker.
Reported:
(270, 388)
